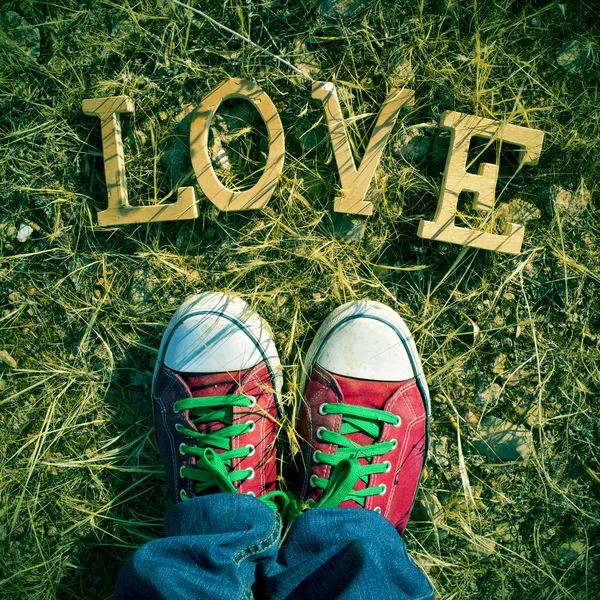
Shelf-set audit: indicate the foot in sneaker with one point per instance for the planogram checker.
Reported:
(216, 393)
(365, 418)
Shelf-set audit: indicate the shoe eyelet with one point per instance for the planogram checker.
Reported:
(314, 457)
(398, 423)
(175, 409)
(251, 476)
(394, 444)
(311, 481)
(383, 491)
(181, 449)
(377, 509)
(252, 401)
(319, 430)
(181, 472)
(388, 466)
(183, 495)
(252, 426)
(178, 427)
(252, 449)
(251, 494)
(322, 409)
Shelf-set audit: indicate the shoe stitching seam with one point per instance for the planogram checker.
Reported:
(164, 419)
(310, 437)
(399, 394)
(251, 380)
(400, 454)
(262, 438)
(402, 396)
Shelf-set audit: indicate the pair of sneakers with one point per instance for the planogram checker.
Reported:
(363, 423)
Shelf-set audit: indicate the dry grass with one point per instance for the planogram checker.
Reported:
(83, 307)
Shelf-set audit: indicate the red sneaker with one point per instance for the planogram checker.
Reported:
(216, 399)
(366, 413)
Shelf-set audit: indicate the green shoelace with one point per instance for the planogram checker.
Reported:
(347, 470)
(210, 469)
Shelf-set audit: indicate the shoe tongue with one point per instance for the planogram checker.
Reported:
(212, 384)
(364, 392)
(202, 385)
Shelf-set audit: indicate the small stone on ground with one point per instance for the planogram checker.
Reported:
(413, 146)
(22, 33)
(482, 547)
(7, 232)
(305, 60)
(439, 454)
(348, 229)
(309, 135)
(24, 233)
(502, 441)
(142, 286)
(440, 147)
(520, 212)
(184, 237)
(573, 56)
(401, 73)
(175, 160)
(432, 508)
(555, 199)
(487, 396)
(570, 552)
(7, 360)
(433, 511)
(339, 8)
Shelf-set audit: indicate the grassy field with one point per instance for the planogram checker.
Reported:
(83, 307)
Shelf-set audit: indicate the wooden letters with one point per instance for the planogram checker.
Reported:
(483, 185)
(354, 181)
(222, 197)
(119, 211)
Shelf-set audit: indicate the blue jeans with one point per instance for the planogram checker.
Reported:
(229, 546)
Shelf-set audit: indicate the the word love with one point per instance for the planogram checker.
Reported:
(355, 180)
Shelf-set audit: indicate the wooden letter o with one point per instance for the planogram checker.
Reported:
(258, 196)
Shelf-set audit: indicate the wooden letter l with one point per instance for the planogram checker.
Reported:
(119, 211)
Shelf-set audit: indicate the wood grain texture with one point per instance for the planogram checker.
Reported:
(456, 180)
(119, 211)
(258, 196)
(355, 182)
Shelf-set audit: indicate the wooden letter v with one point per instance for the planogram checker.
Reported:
(355, 182)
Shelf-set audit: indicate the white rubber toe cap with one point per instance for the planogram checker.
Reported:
(365, 340)
(216, 333)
